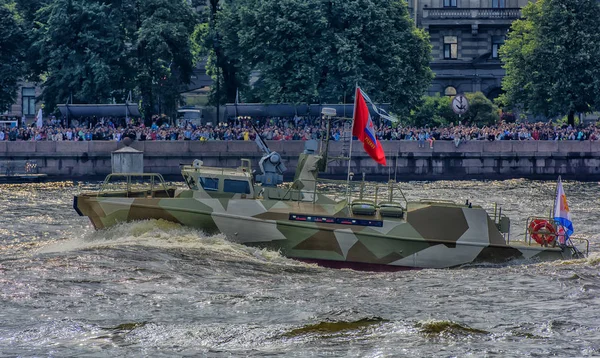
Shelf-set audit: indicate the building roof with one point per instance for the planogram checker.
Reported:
(99, 110)
(290, 110)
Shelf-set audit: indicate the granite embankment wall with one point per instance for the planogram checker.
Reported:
(471, 160)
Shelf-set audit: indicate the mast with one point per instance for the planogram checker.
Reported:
(350, 149)
(554, 202)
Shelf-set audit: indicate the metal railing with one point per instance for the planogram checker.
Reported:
(131, 183)
(477, 13)
(339, 190)
(554, 235)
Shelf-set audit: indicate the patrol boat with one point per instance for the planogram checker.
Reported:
(343, 224)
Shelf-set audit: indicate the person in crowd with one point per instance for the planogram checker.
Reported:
(286, 129)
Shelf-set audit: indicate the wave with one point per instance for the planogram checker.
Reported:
(593, 259)
(167, 235)
(447, 328)
(332, 327)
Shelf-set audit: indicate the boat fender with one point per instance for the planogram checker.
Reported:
(542, 231)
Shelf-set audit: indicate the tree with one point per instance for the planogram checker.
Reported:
(437, 111)
(551, 58)
(11, 54)
(80, 52)
(433, 111)
(162, 40)
(316, 51)
(217, 41)
(481, 111)
(96, 51)
(32, 22)
(27, 8)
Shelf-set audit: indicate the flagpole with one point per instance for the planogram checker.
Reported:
(555, 195)
(237, 99)
(350, 149)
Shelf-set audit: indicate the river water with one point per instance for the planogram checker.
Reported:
(157, 289)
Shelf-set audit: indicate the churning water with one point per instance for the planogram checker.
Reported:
(153, 288)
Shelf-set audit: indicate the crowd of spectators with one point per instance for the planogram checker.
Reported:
(296, 128)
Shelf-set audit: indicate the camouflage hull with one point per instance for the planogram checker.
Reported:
(429, 235)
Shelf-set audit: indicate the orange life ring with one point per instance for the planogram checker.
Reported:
(542, 231)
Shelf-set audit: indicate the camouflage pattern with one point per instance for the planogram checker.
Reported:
(429, 235)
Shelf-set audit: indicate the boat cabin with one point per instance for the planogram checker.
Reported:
(219, 180)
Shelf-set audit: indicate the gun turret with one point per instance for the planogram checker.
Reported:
(271, 165)
(308, 167)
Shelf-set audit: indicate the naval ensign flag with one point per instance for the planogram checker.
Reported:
(363, 129)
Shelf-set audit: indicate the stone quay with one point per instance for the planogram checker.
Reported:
(576, 160)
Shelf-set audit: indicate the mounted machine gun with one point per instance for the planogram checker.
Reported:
(271, 165)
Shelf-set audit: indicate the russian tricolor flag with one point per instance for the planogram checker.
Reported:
(562, 214)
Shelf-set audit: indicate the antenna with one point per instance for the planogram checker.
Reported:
(396, 168)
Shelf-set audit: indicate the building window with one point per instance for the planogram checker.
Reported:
(28, 100)
(498, 4)
(450, 91)
(450, 47)
(497, 42)
(450, 3)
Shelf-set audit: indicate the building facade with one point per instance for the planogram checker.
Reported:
(465, 37)
(26, 104)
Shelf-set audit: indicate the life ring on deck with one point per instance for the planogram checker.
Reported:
(542, 231)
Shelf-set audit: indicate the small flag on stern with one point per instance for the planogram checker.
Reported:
(363, 128)
(562, 214)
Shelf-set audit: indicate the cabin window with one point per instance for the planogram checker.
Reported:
(236, 186)
(211, 184)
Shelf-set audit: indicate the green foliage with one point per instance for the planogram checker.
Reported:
(95, 51)
(444, 111)
(437, 111)
(12, 54)
(481, 110)
(433, 111)
(217, 42)
(551, 58)
(164, 52)
(27, 8)
(315, 51)
(200, 41)
(81, 52)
